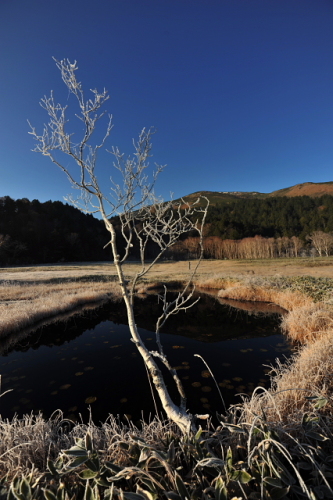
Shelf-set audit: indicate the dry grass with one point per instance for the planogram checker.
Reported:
(216, 282)
(307, 374)
(308, 323)
(286, 299)
(32, 440)
(24, 305)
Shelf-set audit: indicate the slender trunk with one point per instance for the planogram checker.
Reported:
(180, 417)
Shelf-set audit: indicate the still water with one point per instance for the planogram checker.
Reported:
(90, 362)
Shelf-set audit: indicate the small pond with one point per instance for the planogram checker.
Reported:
(90, 362)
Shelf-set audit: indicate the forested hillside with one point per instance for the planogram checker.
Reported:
(32, 232)
(271, 217)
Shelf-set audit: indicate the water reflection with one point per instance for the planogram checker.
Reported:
(90, 360)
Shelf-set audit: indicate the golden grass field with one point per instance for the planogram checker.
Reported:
(29, 295)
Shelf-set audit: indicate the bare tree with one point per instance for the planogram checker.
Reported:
(297, 245)
(323, 242)
(143, 217)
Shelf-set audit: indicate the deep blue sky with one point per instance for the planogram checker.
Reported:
(240, 91)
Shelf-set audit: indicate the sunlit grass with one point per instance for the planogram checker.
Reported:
(23, 305)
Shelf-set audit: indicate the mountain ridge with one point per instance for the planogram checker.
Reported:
(312, 189)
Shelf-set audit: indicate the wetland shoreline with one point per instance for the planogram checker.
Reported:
(305, 293)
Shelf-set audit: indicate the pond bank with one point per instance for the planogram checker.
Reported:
(281, 417)
(305, 322)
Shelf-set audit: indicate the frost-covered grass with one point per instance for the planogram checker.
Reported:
(24, 305)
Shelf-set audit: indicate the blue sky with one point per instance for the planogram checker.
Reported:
(240, 91)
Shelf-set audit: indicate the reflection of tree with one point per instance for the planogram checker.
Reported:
(209, 315)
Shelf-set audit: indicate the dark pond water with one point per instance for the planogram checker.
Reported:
(89, 361)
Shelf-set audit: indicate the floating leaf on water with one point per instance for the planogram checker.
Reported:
(73, 359)
(178, 347)
(114, 346)
(185, 378)
(65, 386)
(88, 368)
(204, 400)
(229, 386)
(226, 381)
(77, 374)
(185, 363)
(241, 388)
(123, 400)
(205, 374)
(133, 354)
(62, 359)
(22, 376)
(73, 408)
(80, 362)
(105, 342)
(28, 391)
(87, 344)
(264, 350)
(243, 350)
(116, 357)
(226, 364)
(149, 338)
(90, 400)
(237, 379)
(206, 405)
(54, 393)
(206, 388)
(222, 384)
(15, 408)
(196, 384)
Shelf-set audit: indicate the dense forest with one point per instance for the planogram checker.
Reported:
(271, 217)
(32, 232)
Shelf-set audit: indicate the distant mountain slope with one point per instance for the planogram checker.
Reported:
(312, 189)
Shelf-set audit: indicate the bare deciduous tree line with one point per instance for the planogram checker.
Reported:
(256, 247)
